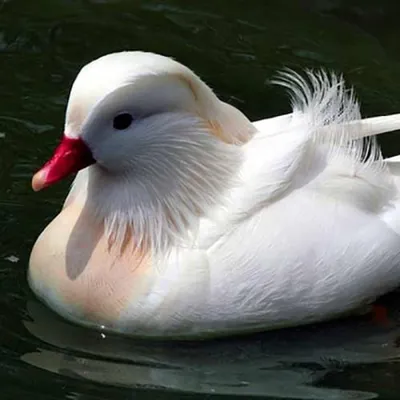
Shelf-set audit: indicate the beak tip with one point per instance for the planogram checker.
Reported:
(39, 181)
(71, 155)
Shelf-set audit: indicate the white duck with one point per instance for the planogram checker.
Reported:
(191, 221)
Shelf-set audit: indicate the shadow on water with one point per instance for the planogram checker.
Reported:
(236, 47)
(291, 364)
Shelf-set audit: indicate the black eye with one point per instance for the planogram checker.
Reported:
(122, 121)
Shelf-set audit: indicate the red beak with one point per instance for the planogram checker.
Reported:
(70, 156)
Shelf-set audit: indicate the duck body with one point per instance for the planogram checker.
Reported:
(245, 227)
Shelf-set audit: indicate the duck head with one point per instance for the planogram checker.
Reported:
(160, 147)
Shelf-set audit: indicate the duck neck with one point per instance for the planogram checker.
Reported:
(160, 210)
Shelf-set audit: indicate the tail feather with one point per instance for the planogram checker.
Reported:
(331, 114)
(355, 169)
(324, 94)
(393, 164)
(372, 126)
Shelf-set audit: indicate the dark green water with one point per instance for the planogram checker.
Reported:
(236, 46)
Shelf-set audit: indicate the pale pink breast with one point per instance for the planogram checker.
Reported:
(92, 279)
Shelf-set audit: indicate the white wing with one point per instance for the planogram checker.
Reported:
(311, 230)
(322, 145)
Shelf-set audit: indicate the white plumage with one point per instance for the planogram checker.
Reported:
(221, 226)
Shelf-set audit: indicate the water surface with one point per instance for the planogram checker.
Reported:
(236, 46)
